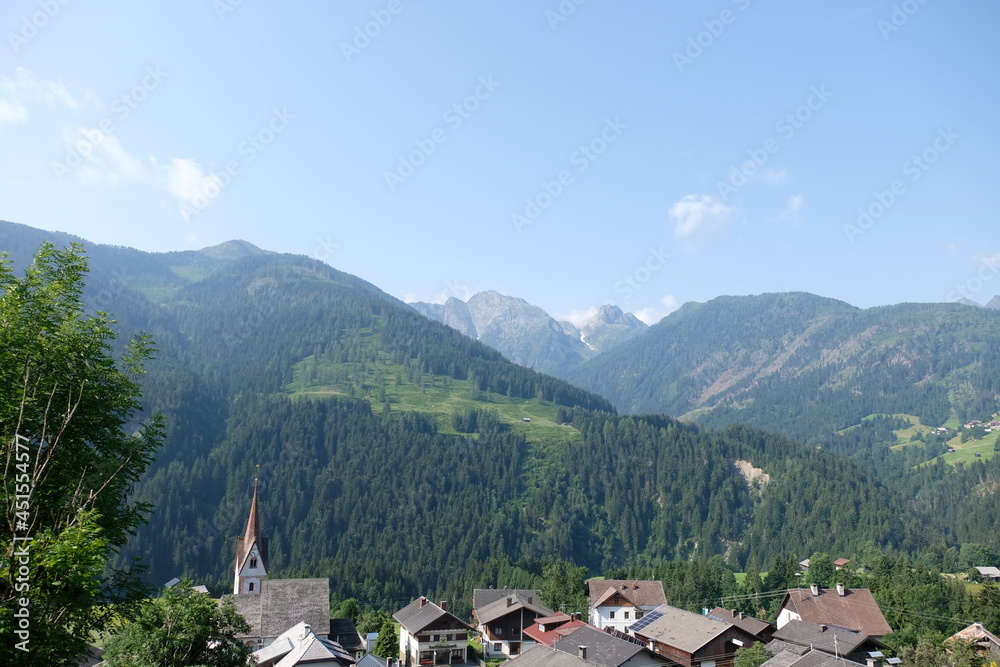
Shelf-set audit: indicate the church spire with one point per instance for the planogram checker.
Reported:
(251, 554)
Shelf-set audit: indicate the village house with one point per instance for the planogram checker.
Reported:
(503, 621)
(813, 658)
(985, 641)
(689, 639)
(989, 573)
(836, 641)
(540, 655)
(851, 608)
(617, 603)
(431, 635)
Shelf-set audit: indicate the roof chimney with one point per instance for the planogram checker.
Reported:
(530, 598)
(444, 605)
(581, 651)
(624, 587)
(423, 600)
(306, 629)
(814, 589)
(635, 587)
(510, 601)
(841, 591)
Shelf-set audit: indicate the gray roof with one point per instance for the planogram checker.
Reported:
(821, 636)
(484, 596)
(818, 659)
(783, 658)
(343, 631)
(416, 616)
(371, 660)
(299, 645)
(602, 648)
(684, 630)
(282, 603)
(540, 655)
(505, 605)
(754, 626)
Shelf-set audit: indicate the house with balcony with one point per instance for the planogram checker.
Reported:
(503, 621)
(431, 635)
(617, 604)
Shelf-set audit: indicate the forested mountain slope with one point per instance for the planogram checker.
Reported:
(399, 457)
(805, 365)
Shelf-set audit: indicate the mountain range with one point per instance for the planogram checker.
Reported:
(529, 336)
(400, 457)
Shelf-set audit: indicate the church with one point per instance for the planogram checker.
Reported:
(279, 611)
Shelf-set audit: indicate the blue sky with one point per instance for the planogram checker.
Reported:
(571, 153)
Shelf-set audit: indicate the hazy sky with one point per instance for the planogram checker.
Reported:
(574, 153)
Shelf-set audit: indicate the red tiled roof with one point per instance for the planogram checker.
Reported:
(552, 636)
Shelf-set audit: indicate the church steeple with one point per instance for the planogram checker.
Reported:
(251, 554)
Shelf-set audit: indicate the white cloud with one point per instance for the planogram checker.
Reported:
(698, 214)
(653, 315)
(791, 214)
(23, 88)
(186, 182)
(107, 162)
(578, 317)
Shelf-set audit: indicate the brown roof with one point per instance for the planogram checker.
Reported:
(856, 610)
(641, 593)
(979, 635)
(252, 536)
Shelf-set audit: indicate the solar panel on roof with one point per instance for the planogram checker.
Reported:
(643, 622)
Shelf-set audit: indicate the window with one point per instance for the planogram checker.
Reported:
(638, 615)
(611, 614)
(253, 562)
(250, 588)
(496, 647)
(626, 616)
(499, 632)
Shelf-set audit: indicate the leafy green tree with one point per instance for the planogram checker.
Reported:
(372, 621)
(72, 450)
(564, 587)
(821, 570)
(347, 609)
(387, 644)
(181, 627)
(754, 655)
